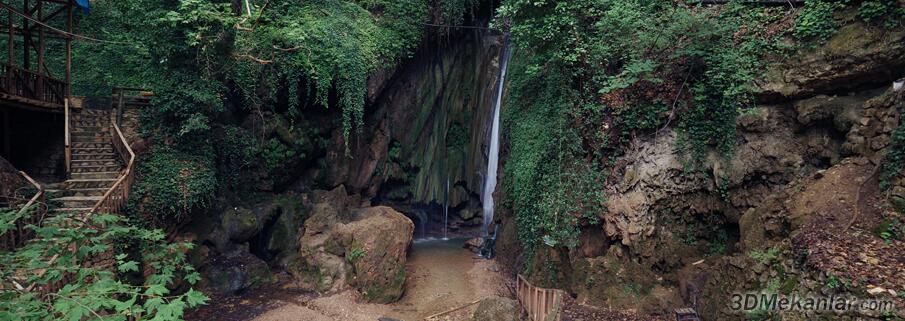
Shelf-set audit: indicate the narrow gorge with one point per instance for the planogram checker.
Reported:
(472, 160)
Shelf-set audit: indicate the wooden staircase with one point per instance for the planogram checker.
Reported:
(95, 165)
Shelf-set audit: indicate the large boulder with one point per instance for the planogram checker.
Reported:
(496, 309)
(376, 245)
(364, 248)
(231, 273)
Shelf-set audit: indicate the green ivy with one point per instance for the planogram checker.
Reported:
(817, 20)
(171, 185)
(887, 12)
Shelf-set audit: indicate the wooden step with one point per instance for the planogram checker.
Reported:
(77, 201)
(86, 123)
(95, 169)
(57, 193)
(94, 156)
(86, 139)
(92, 182)
(94, 162)
(95, 175)
(93, 150)
(90, 134)
(89, 129)
(74, 210)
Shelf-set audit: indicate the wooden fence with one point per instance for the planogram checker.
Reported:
(540, 304)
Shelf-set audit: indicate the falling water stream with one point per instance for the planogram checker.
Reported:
(493, 155)
(446, 213)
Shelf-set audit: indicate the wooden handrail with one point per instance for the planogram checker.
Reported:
(540, 304)
(115, 198)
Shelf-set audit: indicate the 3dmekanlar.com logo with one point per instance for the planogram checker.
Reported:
(756, 301)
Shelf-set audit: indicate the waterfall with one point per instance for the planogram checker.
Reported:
(446, 213)
(493, 155)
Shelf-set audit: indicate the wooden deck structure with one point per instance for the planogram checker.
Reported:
(37, 37)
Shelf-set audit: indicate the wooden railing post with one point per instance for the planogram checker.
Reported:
(67, 139)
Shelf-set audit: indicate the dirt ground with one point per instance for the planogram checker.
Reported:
(441, 276)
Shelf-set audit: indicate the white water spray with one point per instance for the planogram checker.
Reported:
(493, 155)
(446, 213)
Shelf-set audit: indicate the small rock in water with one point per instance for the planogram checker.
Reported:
(474, 244)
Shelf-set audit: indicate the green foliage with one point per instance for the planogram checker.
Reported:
(141, 288)
(833, 282)
(325, 44)
(552, 191)
(719, 243)
(887, 12)
(766, 257)
(287, 53)
(894, 163)
(454, 12)
(355, 254)
(817, 20)
(891, 229)
(172, 184)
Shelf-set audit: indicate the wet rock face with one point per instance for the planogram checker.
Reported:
(426, 125)
(874, 128)
(496, 309)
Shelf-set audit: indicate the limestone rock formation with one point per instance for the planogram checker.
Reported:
(858, 56)
(364, 248)
(376, 245)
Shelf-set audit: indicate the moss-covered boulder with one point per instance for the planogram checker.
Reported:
(367, 251)
(283, 233)
(231, 273)
(376, 245)
(239, 224)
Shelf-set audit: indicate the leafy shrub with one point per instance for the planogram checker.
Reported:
(766, 257)
(888, 12)
(140, 288)
(817, 20)
(891, 229)
(172, 184)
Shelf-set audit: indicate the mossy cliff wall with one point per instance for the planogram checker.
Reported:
(774, 218)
